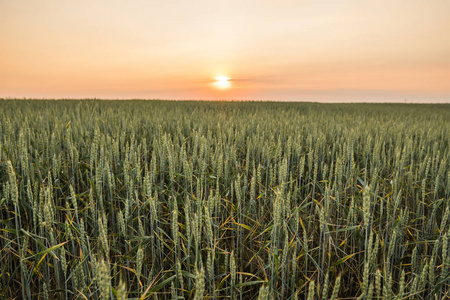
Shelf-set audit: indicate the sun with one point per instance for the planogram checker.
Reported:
(222, 82)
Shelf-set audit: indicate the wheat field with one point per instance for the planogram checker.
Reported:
(223, 200)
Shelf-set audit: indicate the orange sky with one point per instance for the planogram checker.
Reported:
(272, 50)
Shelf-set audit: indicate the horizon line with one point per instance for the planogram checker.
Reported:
(227, 100)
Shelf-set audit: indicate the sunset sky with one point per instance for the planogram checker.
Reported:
(260, 50)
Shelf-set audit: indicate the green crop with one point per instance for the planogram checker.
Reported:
(223, 200)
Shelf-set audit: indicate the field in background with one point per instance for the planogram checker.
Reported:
(214, 200)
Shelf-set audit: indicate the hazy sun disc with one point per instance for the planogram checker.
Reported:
(222, 82)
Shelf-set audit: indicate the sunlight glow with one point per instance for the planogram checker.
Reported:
(222, 82)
